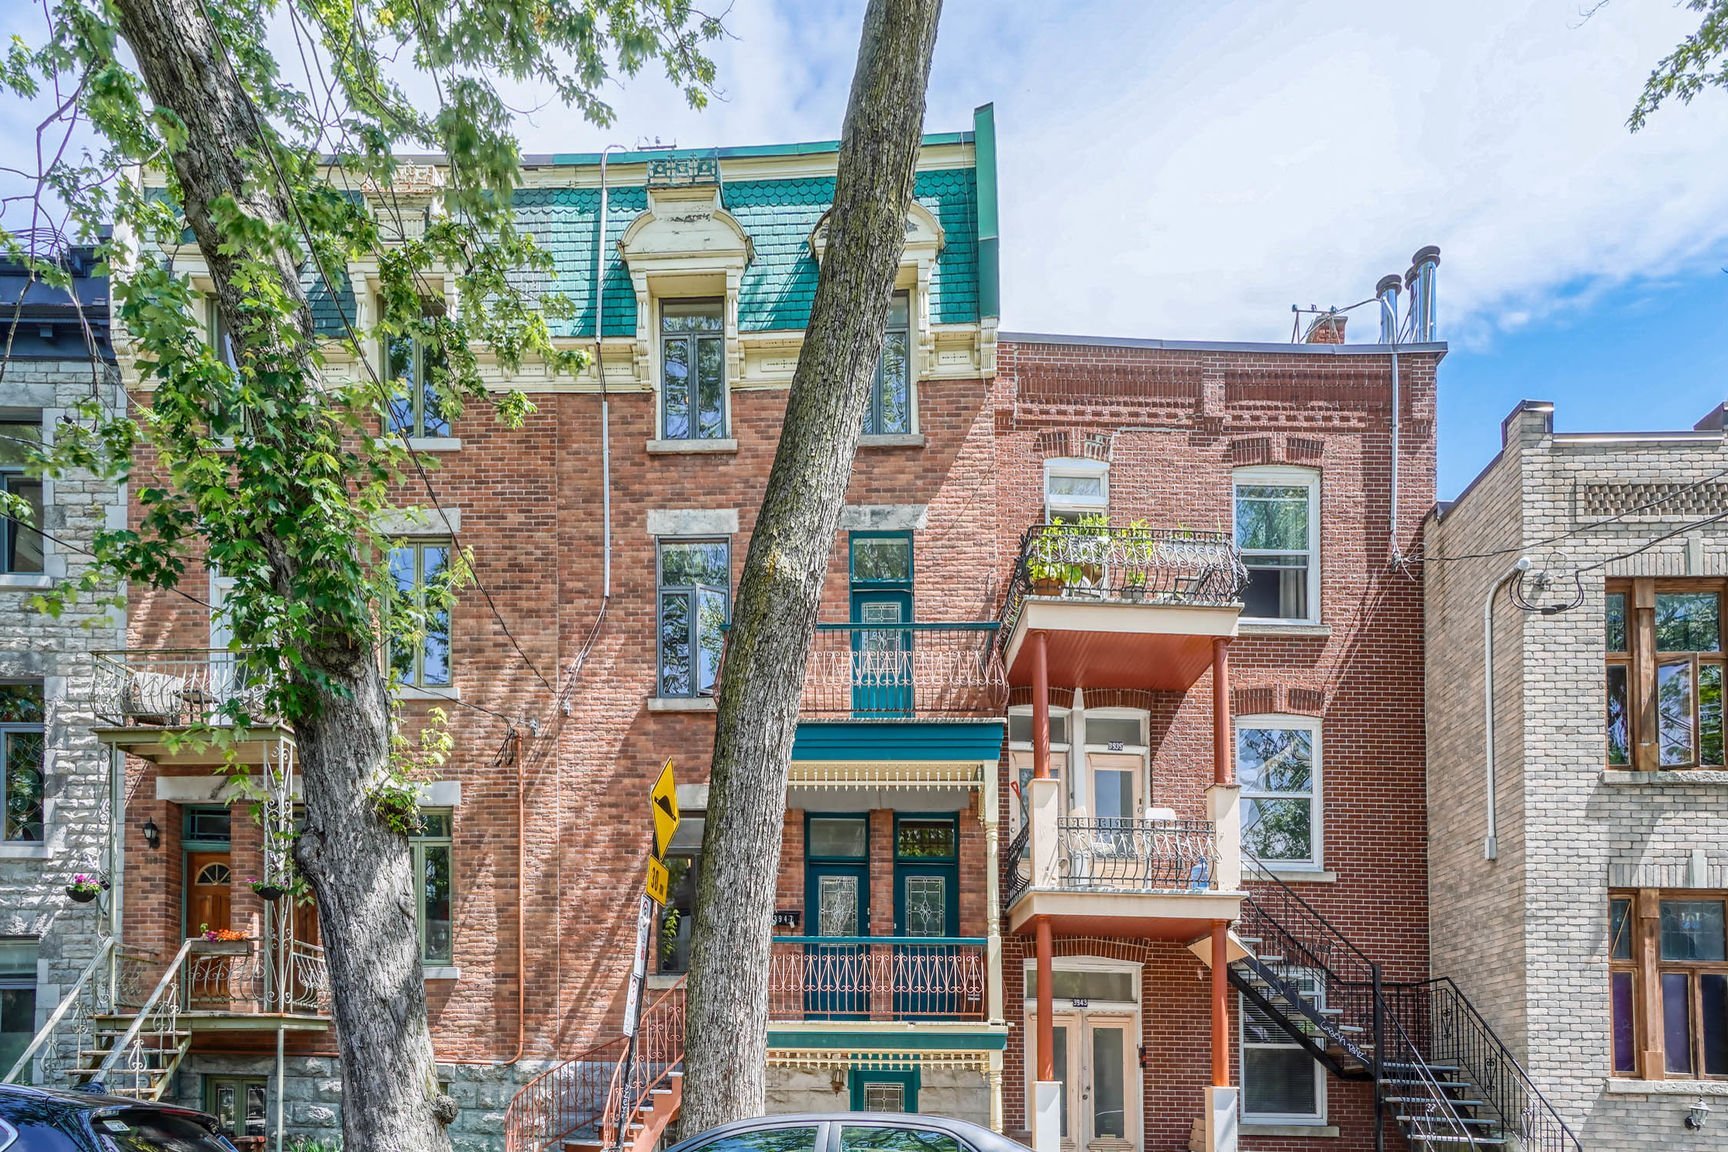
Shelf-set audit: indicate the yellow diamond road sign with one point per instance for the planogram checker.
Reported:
(663, 805)
(657, 881)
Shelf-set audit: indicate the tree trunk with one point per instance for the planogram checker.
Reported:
(774, 615)
(359, 870)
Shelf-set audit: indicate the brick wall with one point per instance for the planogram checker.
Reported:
(1535, 953)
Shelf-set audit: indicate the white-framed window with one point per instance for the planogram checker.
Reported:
(693, 369)
(1278, 765)
(1020, 758)
(1281, 1082)
(1277, 511)
(1116, 783)
(1074, 488)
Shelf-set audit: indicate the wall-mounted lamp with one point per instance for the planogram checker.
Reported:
(837, 1078)
(1697, 1115)
(152, 834)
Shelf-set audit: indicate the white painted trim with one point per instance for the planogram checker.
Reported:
(1076, 505)
(1288, 475)
(448, 694)
(1293, 629)
(31, 851)
(1623, 1086)
(675, 522)
(26, 581)
(447, 972)
(1315, 866)
(892, 440)
(195, 789)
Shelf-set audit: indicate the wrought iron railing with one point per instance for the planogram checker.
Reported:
(1429, 1114)
(146, 1054)
(1125, 565)
(905, 670)
(579, 1099)
(237, 979)
(178, 688)
(1451, 1031)
(876, 978)
(1128, 855)
(658, 1054)
(1017, 865)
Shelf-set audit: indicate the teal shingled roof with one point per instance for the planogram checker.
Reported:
(780, 282)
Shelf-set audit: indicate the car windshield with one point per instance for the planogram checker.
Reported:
(148, 1131)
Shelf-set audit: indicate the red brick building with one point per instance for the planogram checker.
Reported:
(1102, 614)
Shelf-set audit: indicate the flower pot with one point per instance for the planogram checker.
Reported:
(1047, 586)
(82, 895)
(223, 947)
(270, 892)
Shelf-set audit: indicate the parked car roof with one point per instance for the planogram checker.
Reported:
(976, 1135)
(58, 1120)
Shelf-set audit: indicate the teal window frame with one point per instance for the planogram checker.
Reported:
(859, 1079)
(437, 835)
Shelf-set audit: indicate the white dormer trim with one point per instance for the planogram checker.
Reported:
(925, 239)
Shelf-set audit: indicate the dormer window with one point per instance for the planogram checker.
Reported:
(693, 370)
(890, 411)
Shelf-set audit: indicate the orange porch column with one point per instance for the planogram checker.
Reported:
(1043, 944)
(1220, 1007)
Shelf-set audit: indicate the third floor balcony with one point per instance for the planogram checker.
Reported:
(184, 705)
(1121, 607)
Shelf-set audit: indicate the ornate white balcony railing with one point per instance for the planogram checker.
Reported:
(178, 687)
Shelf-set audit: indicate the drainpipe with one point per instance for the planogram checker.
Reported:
(1491, 842)
(605, 399)
(1387, 293)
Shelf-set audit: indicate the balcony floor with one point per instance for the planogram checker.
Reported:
(1118, 644)
(1123, 914)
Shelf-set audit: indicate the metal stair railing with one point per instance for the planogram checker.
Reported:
(1291, 944)
(1452, 1031)
(1425, 1111)
(659, 1053)
(84, 996)
(153, 1033)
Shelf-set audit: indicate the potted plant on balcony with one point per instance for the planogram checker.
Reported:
(1136, 554)
(268, 890)
(85, 888)
(1090, 550)
(1047, 562)
(221, 941)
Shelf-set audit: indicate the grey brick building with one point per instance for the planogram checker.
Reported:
(55, 779)
(1578, 856)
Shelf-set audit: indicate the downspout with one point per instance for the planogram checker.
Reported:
(1387, 293)
(1491, 841)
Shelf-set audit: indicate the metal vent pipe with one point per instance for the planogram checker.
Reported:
(1420, 281)
(1387, 293)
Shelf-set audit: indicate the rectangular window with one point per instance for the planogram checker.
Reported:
(433, 886)
(694, 583)
(414, 365)
(890, 411)
(17, 999)
(1281, 1082)
(1277, 530)
(216, 331)
(1663, 650)
(684, 871)
(20, 542)
(420, 572)
(1687, 969)
(21, 763)
(239, 1103)
(1075, 488)
(693, 370)
(1278, 767)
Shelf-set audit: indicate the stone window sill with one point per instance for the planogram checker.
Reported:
(1290, 875)
(410, 692)
(434, 443)
(25, 581)
(1250, 1128)
(661, 982)
(688, 447)
(681, 704)
(26, 852)
(428, 972)
(896, 440)
(1300, 628)
(1708, 776)
(1622, 1086)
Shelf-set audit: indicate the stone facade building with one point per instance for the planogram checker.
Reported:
(55, 778)
(1578, 873)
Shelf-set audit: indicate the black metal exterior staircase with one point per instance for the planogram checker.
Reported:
(1438, 1070)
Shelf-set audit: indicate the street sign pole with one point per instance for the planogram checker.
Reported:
(633, 1010)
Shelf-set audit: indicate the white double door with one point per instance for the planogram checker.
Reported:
(1097, 1061)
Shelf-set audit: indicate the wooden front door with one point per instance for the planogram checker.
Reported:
(209, 891)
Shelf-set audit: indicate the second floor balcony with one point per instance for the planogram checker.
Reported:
(1121, 607)
(904, 671)
(1158, 876)
(183, 705)
(877, 978)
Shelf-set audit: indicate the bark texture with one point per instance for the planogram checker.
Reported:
(774, 615)
(359, 870)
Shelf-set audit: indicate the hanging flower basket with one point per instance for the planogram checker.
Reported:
(85, 888)
(267, 889)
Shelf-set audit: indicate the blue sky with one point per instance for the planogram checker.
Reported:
(1188, 169)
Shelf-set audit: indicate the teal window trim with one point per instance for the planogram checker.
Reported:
(907, 1078)
(945, 867)
(190, 841)
(858, 582)
(815, 858)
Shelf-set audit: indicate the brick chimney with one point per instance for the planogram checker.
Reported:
(1328, 328)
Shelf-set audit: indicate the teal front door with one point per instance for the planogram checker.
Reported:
(931, 980)
(881, 654)
(836, 984)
